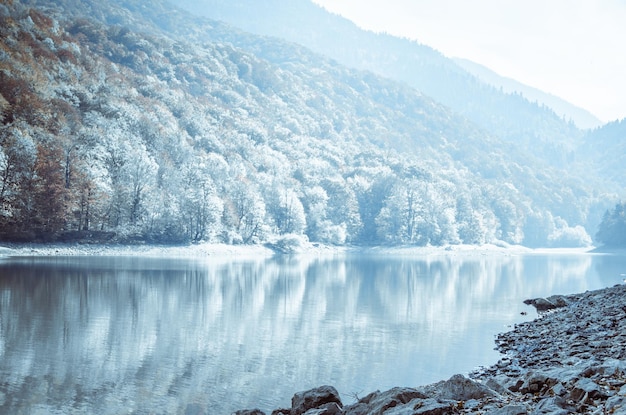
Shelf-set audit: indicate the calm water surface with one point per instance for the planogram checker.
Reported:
(119, 335)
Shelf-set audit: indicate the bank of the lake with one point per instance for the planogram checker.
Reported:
(572, 359)
(192, 250)
(202, 250)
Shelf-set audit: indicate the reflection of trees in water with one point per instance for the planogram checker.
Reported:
(451, 287)
(123, 333)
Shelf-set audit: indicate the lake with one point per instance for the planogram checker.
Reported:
(119, 335)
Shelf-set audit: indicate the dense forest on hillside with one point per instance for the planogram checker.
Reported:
(604, 151)
(612, 229)
(507, 115)
(111, 133)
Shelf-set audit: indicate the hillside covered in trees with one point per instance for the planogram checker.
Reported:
(129, 121)
(510, 116)
(612, 229)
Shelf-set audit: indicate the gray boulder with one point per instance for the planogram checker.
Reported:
(459, 388)
(326, 409)
(541, 304)
(553, 406)
(378, 403)
(314, 399)
(513, 409)
(586, 389)
(536, 381)
(550, 303)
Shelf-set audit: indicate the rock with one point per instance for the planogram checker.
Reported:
(459, 388)
(434, 407)
(553, 406)
(535, 382)
(379, 402)
(471, 405)
(541, 304)
(313, 399)
(559, 389)
(587, 389)
(419, 406)
(326, 409)
(559, 300)
(616, 405)
(495, 384)
(359, 408)
(509, 410)
(249, 412)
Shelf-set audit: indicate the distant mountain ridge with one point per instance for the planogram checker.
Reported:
(581, 117)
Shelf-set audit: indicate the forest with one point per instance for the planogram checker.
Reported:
(612, 229)
(113, 131)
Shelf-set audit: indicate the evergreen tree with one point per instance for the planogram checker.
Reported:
(612, 229)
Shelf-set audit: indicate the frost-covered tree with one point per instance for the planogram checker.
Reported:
(49, 191)
(343, 206)
(244, 214)
(16, 174)
(140, 171)
(201, 209)
(287, 212)
(398, 219)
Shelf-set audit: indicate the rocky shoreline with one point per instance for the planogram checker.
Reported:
(572, 359)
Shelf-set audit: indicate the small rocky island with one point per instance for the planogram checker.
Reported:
(572, 359)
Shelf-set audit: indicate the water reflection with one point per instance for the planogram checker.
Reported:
(133, 335)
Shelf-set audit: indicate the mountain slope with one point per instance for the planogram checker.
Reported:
(604, 149)
(581, 117)
(509, 116)
(144, 136)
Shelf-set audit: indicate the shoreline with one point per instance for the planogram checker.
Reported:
(207, 250)
(571, 359)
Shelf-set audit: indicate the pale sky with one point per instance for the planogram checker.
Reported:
(574, 49)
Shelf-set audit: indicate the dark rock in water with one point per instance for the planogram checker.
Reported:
(541, 304)
(559, 300)
(314, 399)
(550, 303)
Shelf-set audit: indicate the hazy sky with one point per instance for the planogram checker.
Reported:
(574, 49)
